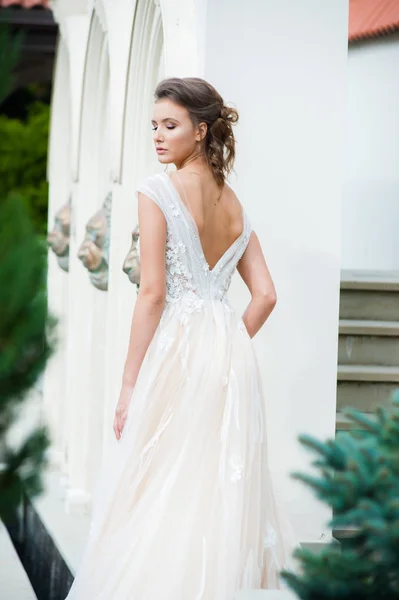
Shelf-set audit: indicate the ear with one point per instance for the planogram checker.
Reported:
(201, 131)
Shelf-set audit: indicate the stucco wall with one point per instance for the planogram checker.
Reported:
(371, 192)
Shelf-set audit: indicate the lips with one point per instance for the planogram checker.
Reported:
(161, 149)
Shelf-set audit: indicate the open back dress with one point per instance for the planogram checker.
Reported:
(185, 508)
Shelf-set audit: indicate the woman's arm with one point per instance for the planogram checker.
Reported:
(254, 271)
(150, 300)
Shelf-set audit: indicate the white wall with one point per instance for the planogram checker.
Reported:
(371, 193)
(283, 63)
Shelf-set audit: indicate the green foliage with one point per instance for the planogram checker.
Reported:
(25, 344)
(25, 330)
(23, 159)
(359, 479)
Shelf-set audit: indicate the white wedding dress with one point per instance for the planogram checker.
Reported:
(185, 508)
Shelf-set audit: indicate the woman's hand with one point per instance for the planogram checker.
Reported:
(122, 409)
(120, 418)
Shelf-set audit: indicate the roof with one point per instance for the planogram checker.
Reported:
(25, 3)
(367, 18)
(372, 18)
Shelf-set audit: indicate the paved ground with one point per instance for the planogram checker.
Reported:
(14, 582)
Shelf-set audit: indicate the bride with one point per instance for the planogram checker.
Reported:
(185, 507)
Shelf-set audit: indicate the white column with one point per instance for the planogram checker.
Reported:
(87, 305)
(283, 64)
(60, 183)
(63, 155)
(144, 66)
(119, 18)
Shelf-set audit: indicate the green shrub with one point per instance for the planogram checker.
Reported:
(359, 480)
(23, 160)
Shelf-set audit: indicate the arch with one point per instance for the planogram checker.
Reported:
(100, 11)
(95, 87)
(145, 66)
(60, 121)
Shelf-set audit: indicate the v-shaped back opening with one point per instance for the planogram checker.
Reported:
(191, 218)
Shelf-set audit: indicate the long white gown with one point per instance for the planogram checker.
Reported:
(184, 508)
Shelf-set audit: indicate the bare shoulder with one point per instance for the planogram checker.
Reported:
(231, 193)
(233, 200)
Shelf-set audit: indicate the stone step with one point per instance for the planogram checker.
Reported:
(369, 295)
(343, 423)
(369, 305)
(368, 350)
(368, 342)
(370, 373)
(365, 386)
(369, 328)
(14, 582)
(370, 280)
(365, 396)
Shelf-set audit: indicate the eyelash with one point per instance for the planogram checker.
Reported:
(154, 128)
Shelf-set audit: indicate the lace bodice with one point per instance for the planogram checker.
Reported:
(190, 282)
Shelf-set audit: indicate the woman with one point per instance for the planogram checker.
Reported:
(186, 509)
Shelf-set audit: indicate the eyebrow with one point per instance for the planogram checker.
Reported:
(167, 119)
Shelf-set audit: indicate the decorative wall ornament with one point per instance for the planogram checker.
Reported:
(94, 250)
(131, 265)
(58, 238)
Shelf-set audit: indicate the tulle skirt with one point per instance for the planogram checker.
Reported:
(184, 507)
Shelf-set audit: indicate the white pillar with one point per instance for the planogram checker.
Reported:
(87, 305)
(74, 24)
(137, 154)
(283, 64)
(60, 184)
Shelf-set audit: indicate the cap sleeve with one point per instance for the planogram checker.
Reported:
(150, 188)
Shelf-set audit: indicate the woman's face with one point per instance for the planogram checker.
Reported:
(175, 133)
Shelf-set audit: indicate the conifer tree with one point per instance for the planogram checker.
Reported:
(359, 479)
(25, 329)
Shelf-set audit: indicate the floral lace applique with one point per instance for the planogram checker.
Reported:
(237, 468)
(176, 212)
(270, 537)
(189, 280)
(164, 341)
(225, 285)
(179, 285)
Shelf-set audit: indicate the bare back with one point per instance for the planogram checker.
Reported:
(217, 213)
(207, 239)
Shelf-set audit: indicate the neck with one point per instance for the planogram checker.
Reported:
(196, 161)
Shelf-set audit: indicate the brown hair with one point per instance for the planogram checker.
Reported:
(205, 105)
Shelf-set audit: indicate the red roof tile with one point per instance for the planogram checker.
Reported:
(372, 18)
(25, 3)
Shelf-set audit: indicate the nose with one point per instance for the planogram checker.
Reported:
(158, 137)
